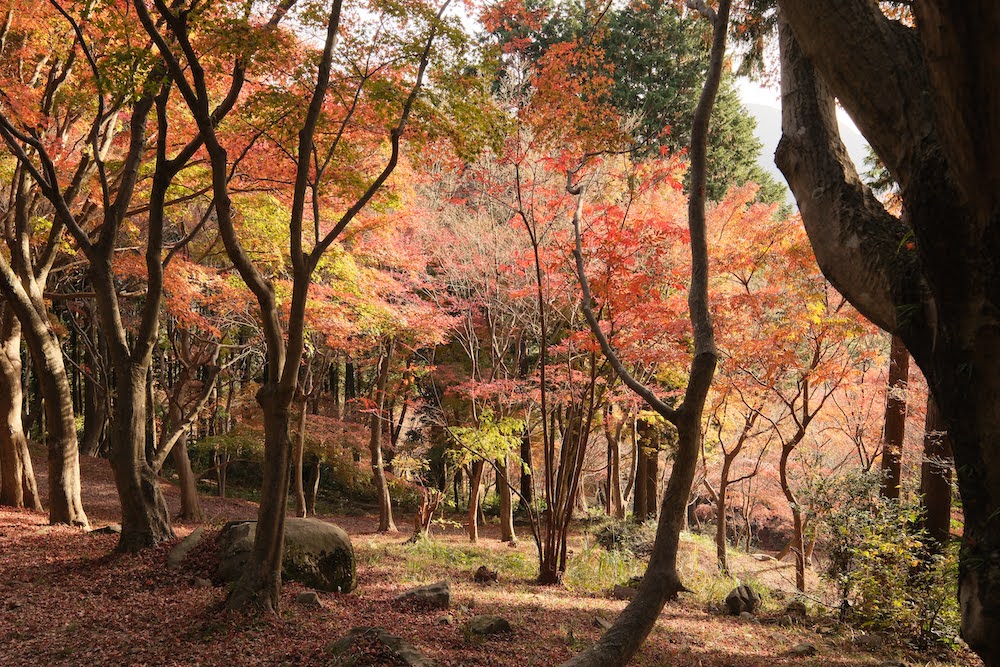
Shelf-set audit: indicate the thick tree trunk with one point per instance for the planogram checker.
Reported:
(17, 477)
(935, 479)
(640, 488)
(260, 584)
(65, 505)
(895, 419)
(145, 515)
(506, 501)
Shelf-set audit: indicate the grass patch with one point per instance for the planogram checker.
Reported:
(429, 558)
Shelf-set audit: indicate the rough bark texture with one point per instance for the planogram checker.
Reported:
(935, 479)
(506, 501)
(895, 419)
(385, 521)
(17, 477)
(145, 515)
(927, 102)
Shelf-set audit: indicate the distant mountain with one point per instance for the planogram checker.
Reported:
(769, 132)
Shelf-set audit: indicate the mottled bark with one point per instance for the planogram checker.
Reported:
(17, 477)
(895, 419)
(927, 101)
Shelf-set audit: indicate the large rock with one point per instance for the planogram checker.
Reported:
(488, 625)
(375, 646)
(317, 554)
(433, 596)
(742, 599)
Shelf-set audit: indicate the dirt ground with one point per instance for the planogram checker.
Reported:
(67, 599)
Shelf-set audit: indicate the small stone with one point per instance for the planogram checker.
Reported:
(463, 609)
(746, 616)
(620, 592)
(447, 619)
(488, 625)
(110, 529)
(803, 649)
(786, 620)
(202, 582)
(349, 649)
(869, 642)
(433, 596)
(602, 623)
(796, 609)
(485, 576)
(309, 599)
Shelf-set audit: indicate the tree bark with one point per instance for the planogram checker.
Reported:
(385, 521)
(506, 501)
(661, 580)
(472, 512)
(926, 100)
(895, 419)
(17, 477)
(145, 515)
(191, 511)
(297, 462)
(935, 479)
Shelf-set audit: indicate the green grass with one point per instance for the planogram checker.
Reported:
(429, 558)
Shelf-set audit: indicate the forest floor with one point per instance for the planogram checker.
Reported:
(66, 598)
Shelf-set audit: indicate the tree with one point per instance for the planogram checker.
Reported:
(924, 98)
(661, 580)
(312, 148)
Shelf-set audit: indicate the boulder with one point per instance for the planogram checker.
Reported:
(309, 599)
(433, 596)
(110, 529)
(620, 592)
(488, 625)
(742, 599)
(804, 649)
(485, 576)
(376, 647)
(177, 555)
(317, 554)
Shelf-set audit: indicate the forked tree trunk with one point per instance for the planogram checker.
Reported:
(145, 515)
(895, 419)
(472, 514)
(17, 477)
(506, 501)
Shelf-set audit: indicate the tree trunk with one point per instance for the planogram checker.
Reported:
(312, 488)
(525, 468)
(190, 501)
(260, 584)
(641, 501)
(472, 514)
(935, 479)
(299, 452)
(506, 502)
(614, 500)
(652, 477)
(721, 541)
(797, 546)
(385, 521)
(65, 505)
(895, 419)
(145, 516)
(17, 477)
